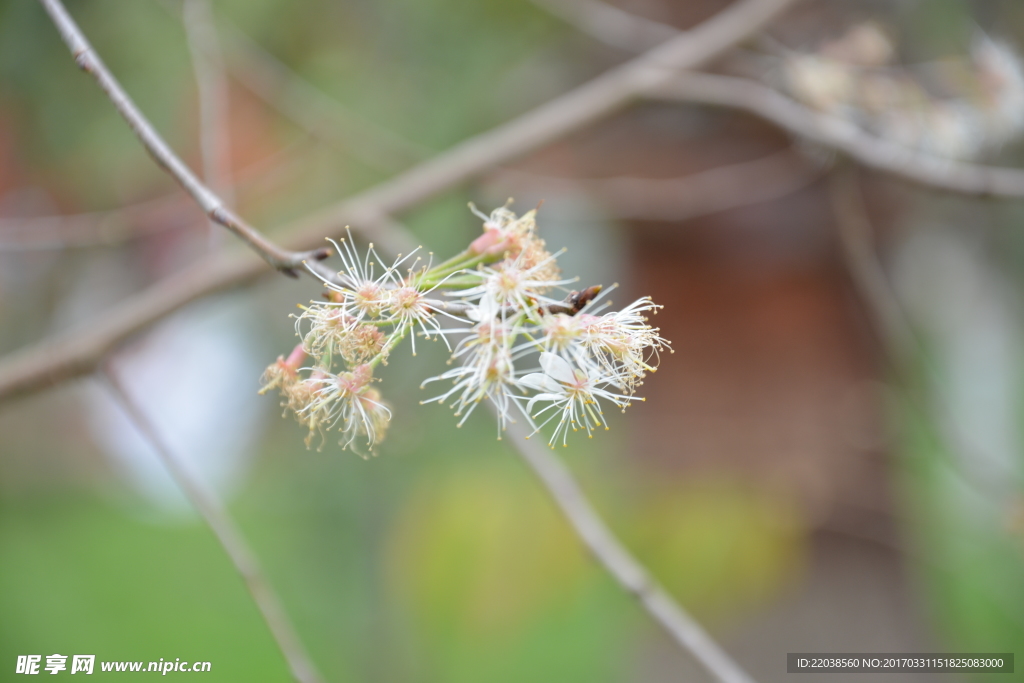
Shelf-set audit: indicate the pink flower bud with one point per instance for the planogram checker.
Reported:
(295, 359)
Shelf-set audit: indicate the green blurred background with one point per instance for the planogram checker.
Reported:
(780, 480)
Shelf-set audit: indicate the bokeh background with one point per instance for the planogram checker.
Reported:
(795, 488)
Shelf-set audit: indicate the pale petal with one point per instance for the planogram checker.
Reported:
(540, 382)
(543, 397)
(557, 367)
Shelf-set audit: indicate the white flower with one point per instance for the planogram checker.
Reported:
(408, 306)
(346, 401)
(501, 284)
(504, 232)
(329, 327)
(362, 298)
(573, 395)
(1002, 81)
(512, 285)
(623, 340)
(619, 347)
(823, 83)
(487, 371)
(362, 293)
(561, 331)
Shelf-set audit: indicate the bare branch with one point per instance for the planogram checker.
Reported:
(855, 235)
(622, 566)
(228, 536)
(113, 227)
(683, 198)
(212, 86)
(836, 133)
(83, 229)
(211, 204)
(319, 114)
(609, 24)
(78, 351)
(991, 479)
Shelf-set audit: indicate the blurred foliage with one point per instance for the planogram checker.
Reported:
(720, 545)
(969, 544)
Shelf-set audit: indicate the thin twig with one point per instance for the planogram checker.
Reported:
(864, 267)
(78, 351)
(227, 534)
(87, 60)
(902, 345)
(87, 229)
(314, 111)
(113, 227)
(830, 131)
(618, 561)
(686, 197)
(214, 101)
(610, 25)
(669, 199)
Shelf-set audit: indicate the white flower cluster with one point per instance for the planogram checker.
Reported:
(854, 77)
(503, 290)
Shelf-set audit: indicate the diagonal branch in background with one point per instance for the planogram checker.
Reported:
(701, 193)
(313, 110)
(227, 534)
(865, 268)
(609, 24)
(117, 226)
(632, 576)
(903, 346)
(211, 204)
(214, 102)
(872, 151)
(79, 351)
(664, 199)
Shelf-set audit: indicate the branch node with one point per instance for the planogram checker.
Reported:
(320, 254)
(82, 60)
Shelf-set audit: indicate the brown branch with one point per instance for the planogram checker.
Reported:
(80, 350)
(670, 199)
(617, 560)
(65, 231)
(902, 345)
(870, 150)
(212, 88)
(686, 197)
(609, 24)
(314, 111)
(211, 204)
(865, 268)
(81, 230)
(228, 535)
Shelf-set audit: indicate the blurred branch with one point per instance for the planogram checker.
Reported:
(864, 267)
(66, 231)
(696, 194)
(94, 229)
(902, 345)
(227, 534)
(836, 133)
(317, 113)
(89, 61)
(214, 101)
(620, 564)
(80, 350)
(609, 24)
